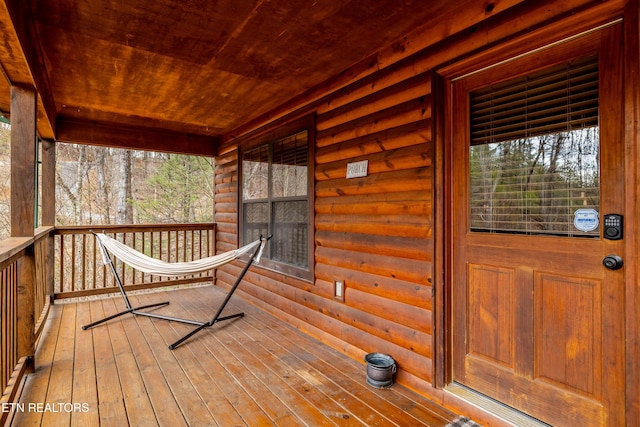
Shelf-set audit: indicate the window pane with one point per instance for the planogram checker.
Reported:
(256, 221)
(550, 101)
(535, 185)
(255, 174)
(290, 223)
(289, 177)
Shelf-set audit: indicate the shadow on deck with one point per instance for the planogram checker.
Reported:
(253, 371)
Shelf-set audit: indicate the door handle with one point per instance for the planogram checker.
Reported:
(612, 262)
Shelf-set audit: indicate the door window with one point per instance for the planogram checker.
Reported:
(534, 155)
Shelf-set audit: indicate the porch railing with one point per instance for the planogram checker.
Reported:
(26, 268)
(79, 269)
(65, 262)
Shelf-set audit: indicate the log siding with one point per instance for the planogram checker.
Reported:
(377, 233)
(374, 233)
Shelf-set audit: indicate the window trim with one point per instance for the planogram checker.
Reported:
(270, 136)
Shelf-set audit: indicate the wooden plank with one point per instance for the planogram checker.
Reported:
(135, 393)
(632, 165)
(159, 334)
(232, 401)
(408, 270)
(37, 383)
(84, 372)
(272, 364)
(110, 397)
(266, 298)
(164, 407)
(335, 366)
(285, 345)
(229, 228)
(405, 180)
(306, 403)
(252, 371)
(612, 133)
(404, 91)
(407, 135)
(408, 112)
(226, 198)
(385, 225)
(410, 324)
(401, 324)
(368, 86)
(59, 392)
(141, 286)
(14, 388)
(418, 295)
(411, 157)
(409, 247)
(11, 247)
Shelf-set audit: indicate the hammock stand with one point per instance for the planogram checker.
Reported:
(157, 267)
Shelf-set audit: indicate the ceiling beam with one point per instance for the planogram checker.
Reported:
(22, 60)
(111, 135)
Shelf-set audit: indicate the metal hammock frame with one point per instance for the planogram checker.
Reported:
(109, 245)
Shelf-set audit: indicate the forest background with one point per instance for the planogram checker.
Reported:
(99, 185)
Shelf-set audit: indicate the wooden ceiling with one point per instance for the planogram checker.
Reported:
(189, 68)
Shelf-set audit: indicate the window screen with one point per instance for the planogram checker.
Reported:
(534, 155)
(275, 192)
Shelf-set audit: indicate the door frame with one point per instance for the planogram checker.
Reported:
(535, 42)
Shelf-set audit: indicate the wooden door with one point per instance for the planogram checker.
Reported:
(537, 317)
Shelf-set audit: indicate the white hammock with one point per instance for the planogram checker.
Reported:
(157, 267)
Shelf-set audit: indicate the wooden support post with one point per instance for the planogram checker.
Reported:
(48, 183)
(23, 161)
(23, 183)
(48, 186)
(26, 302)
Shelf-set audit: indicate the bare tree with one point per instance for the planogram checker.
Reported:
(124, 208)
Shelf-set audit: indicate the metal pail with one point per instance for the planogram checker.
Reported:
(380, 369)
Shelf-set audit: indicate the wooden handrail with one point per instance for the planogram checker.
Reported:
(80, 272)
(25, 278)
(86, 229)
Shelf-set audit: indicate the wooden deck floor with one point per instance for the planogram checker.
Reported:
(253, 371)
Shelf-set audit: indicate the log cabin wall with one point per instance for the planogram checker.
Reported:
(377, 233)
(373, 233)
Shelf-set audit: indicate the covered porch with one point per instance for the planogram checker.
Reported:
(368, 106)
(254, 371)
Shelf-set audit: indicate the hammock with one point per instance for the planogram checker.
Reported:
(158, 267)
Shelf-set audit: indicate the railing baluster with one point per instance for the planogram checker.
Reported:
(78, 259)
(94, 266)
(73, 263)
(84, 261)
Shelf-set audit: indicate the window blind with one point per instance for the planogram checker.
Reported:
(534, 155)
(562, 98)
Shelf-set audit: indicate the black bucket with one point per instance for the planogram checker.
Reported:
(380, 369)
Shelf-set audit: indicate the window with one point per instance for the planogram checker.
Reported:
(275, 200)
(534, 155)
